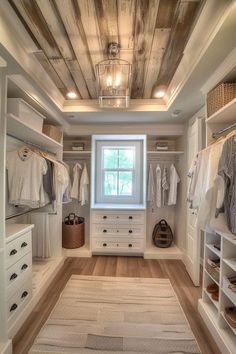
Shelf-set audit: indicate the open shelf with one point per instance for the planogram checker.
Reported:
(213, 249)
(77, 153)
(215, 303)
(153, 252)
(224, 115)
(165, 152)
(20, 130)
(232, 328)
(212, 278)
(231, 263)
(227, 235)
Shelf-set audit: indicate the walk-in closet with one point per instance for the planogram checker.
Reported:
(117, 176)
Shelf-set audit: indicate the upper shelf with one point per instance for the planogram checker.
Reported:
(76, 153)
(19, 129)
(226, 114)
(165, 152)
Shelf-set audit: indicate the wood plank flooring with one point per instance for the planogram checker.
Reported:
(119, 266)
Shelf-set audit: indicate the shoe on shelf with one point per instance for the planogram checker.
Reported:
(212, 288)
(215, 296)
(230, 315)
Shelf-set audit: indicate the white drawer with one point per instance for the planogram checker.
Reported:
(107, 230)
(18, 301)
(128, 217)
(17, 248)
(18, 274)
(117, 246)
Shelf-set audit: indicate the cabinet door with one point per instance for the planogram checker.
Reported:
(192, 259)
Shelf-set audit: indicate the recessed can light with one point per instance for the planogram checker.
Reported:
(160, 91)
(71, 94)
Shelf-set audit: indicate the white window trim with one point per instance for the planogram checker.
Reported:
(141, 204)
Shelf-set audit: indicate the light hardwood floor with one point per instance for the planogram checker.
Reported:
(119, 266)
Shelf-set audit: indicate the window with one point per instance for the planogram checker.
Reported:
(119, 168)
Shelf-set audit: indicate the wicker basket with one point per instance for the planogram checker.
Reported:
(214, 272)
(219, 97)
(72, 235)
(53, 132)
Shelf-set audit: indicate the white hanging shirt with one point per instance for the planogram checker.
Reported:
(158, 186)
(151, 188)
(75, 187)
(61, 181)
(165, 185)
(83, 190)
(174, 180)
(25, 179)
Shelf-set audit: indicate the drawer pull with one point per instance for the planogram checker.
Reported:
(13, 276)
(130, 217)
(104, 217)
(130, 245)
(117, 231)
(24, 244)
(13, 252)
(24, 294)
(104, 231)
(13, 307)
(130, 231)
(104, 245)
(25, 266)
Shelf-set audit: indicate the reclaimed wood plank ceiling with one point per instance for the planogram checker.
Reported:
(72, 37)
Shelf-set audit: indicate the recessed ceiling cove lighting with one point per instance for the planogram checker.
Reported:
(159, 92)
(71, 94)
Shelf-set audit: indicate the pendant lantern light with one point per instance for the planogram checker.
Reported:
(113, 80)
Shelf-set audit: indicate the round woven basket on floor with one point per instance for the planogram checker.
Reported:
(73, 235)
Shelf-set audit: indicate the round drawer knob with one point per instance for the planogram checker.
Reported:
(13, 252)
(130, 231)
(117, 231)
(24, 294)
(104, 231)
(117, 244)
(13, 307)
(25, 266)
(104, 217)
(13, 276)
(130, 217)
(24, 244)
(130, 245)
(104, 245)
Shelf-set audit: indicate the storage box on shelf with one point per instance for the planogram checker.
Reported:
(53, 132)
(220, 96)
(26, 113)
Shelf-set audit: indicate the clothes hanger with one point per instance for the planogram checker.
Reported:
(24, 152)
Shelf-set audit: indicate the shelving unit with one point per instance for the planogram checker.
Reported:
(18, 129)
(224, 115)
(212, 311)
(77, 153)
(165, 152)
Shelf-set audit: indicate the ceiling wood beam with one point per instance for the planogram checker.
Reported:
(78, 77)
(71, 17)
(183, 21)
(146, 14)
(160, 40)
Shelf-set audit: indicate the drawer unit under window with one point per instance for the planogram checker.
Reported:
(17, 248)
(118, 217)
(18, 301)
(107, 230)
(19, 273)
(117, 245)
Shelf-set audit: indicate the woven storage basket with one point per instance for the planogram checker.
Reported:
(219, 97)
(73, 235)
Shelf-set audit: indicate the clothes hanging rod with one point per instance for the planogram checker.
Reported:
(30, 211)
(215, 135)
(32, 144)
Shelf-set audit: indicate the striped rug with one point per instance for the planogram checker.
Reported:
(105, 315)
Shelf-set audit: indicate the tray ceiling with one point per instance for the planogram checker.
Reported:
(72, 37)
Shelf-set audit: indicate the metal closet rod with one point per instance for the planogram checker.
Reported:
(29, 211)
(32, 144)
(215, 135)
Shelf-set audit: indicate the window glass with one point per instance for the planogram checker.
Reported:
(125, 183)
(110, 183)
(110, 158)
(126, 158)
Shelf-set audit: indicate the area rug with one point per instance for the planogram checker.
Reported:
(105, 315)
